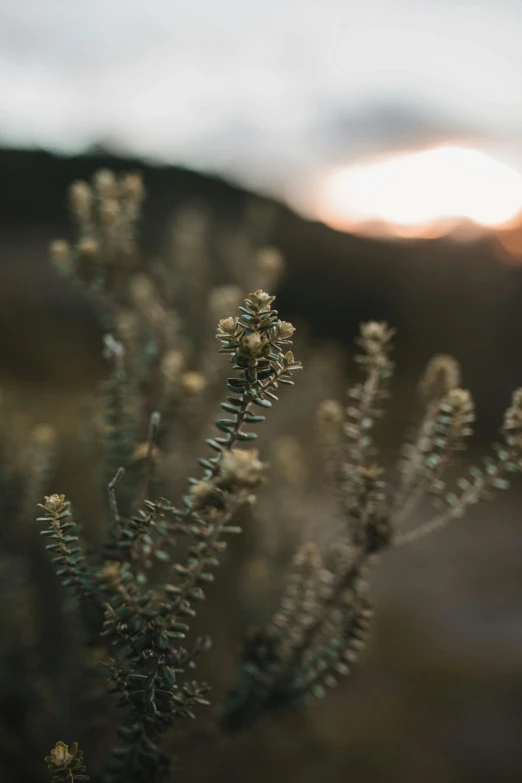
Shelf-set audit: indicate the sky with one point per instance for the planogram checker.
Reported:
(265, 93)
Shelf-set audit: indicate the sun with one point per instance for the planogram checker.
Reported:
(417, 193)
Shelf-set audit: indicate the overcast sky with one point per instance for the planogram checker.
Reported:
(266, 92)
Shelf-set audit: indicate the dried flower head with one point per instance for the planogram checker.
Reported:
(285, 330)
(261, 299)
(252, 345)
(442, 374)
(204, 493)
(66, 763)
(55, 504)
(202, 489)
(227, 325)
(60, 755)
(241, 468)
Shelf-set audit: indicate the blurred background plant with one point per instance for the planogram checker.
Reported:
(322, 622)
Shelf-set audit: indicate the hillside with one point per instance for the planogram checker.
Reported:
(440, 295)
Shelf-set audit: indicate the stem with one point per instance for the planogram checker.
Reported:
(343, 583)
(411, 502)
(468, 496)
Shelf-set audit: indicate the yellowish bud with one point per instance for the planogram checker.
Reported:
(106, 184)
(253, 344)
(285, 330)
(131, 186)
(87, 248)
(442, 374)
(80, 199)
(241, 468)
(227, 325)
(54, 504)
(60, 251)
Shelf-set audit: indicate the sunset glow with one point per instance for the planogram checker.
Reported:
(422, 193)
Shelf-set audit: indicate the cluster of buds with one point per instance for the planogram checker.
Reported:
(66, 763)
(241, 469)
(114, 197)
(205, 494)
(261, 300)
(55, 504)
(252, 345)
(106, 213)
(256, 333)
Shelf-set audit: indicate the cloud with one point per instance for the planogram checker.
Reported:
(345, 131)
(265, 93)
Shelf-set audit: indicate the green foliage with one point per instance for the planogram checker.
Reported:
(66, 763)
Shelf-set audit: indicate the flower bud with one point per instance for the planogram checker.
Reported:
(442, 374)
